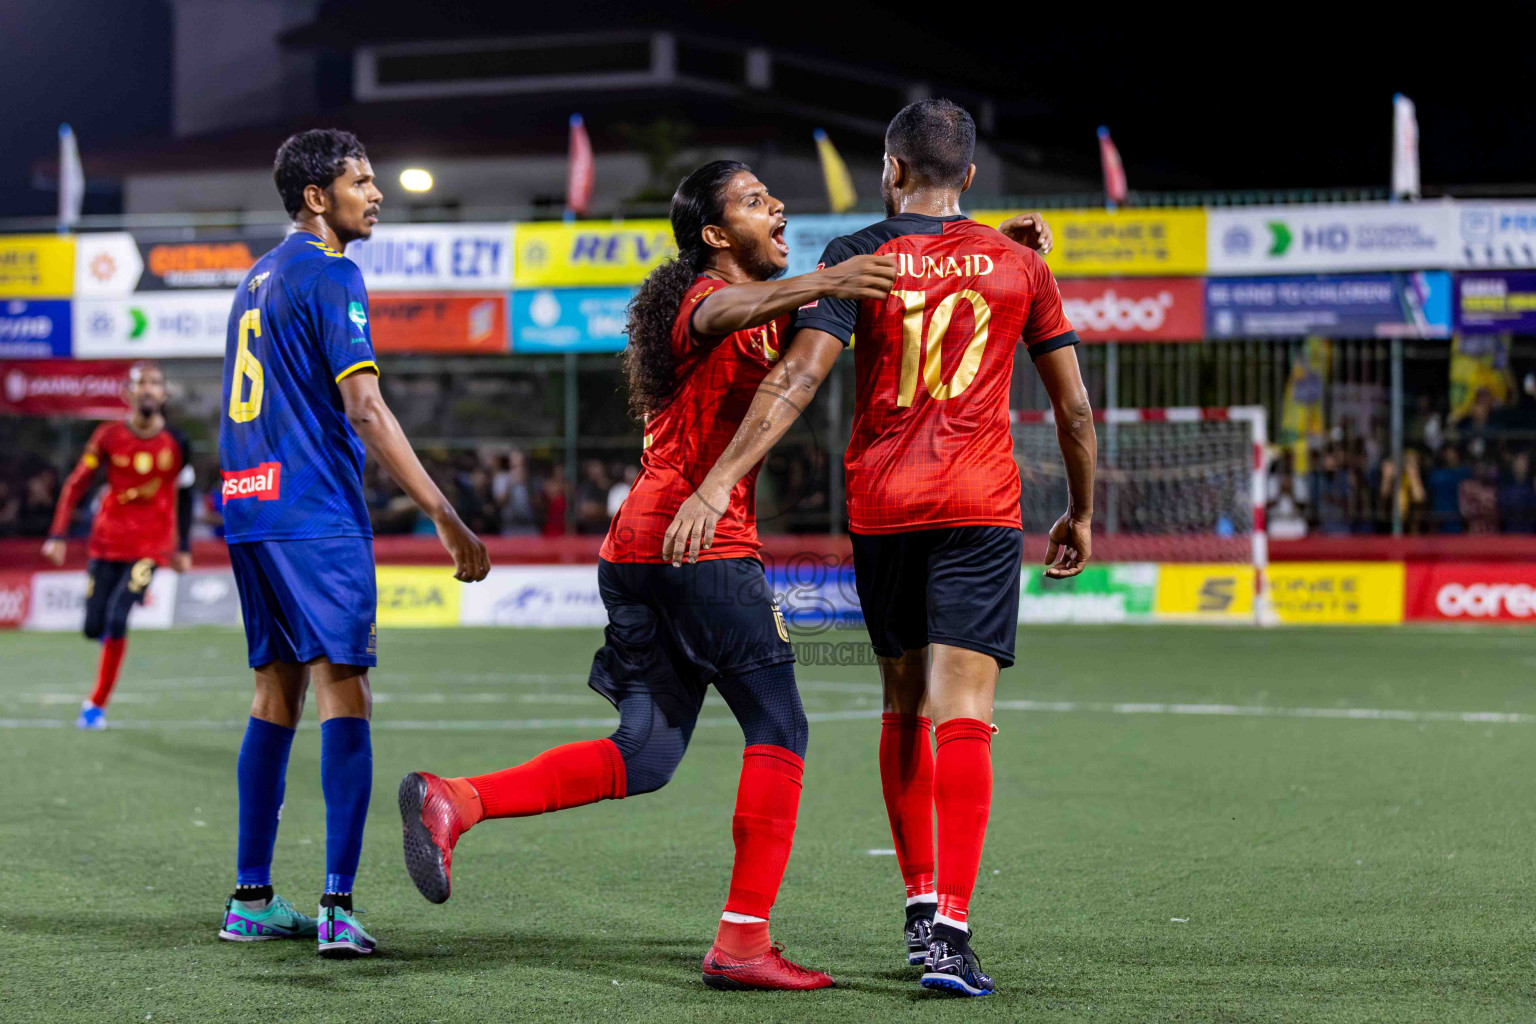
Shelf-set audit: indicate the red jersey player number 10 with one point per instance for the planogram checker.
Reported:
(916, 347)
(247, 368)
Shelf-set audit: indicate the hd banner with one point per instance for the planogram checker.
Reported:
(1404, 305)
(35, 329)
(590, 252)
(1323, 237)
(192, 323)
(1492, 303)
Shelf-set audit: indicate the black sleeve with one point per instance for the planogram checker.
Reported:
(183, 494)
(837, 317)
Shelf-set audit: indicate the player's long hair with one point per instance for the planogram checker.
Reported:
(649, 369)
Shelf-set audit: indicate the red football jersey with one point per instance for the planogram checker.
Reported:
(930, 445)
(137, 518)
(717, 379)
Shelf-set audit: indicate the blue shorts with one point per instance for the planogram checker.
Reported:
(305, 599)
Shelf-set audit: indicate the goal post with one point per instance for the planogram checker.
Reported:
(1172, 485)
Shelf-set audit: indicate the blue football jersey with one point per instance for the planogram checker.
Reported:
(292, 464)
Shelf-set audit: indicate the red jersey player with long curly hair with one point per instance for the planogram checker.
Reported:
(704, 330)
(147, 508)
(933, 498)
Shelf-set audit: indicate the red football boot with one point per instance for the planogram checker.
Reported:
(768, 972)
(432, 822)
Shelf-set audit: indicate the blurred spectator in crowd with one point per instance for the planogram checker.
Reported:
(37, 502)
(592, 497)
(1478, 499)
(514, 491)
(10, 511)
(1517, 498)
(1444, 490)
(1332, 492)
(621, 488)
(1406, 489)
(476, 504)
(556, 495)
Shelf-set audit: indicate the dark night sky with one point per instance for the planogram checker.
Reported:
(1279, 95)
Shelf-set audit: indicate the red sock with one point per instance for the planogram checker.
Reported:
(767, 801)
(112, 650)
(906, 777)
(962, 795)
(745, 941)
(568, 776)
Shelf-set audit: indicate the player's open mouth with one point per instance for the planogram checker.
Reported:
(777, 237)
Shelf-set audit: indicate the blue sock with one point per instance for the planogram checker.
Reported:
(346, 778)
(261, 772)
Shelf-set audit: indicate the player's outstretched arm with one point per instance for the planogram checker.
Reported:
(1029, 230)
(780, 399)
(381, 433)
(75, 486)
(1072, 536)
(754, 303)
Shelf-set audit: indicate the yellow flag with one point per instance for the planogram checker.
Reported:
(840, 191)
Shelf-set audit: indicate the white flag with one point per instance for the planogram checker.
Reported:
(1405, 148)
(71, 178)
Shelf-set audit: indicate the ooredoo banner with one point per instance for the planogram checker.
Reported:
(1135, 309)
(15, 596)
(1477, 592)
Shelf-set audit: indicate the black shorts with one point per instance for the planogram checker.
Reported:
(956, 585)
(674, 630)
(111, 591)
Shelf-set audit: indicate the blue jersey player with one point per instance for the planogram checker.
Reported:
(301, 406)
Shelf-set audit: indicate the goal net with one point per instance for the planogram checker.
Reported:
(1172, 485)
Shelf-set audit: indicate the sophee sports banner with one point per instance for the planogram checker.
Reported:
(153, 324)
(1498, 234)
(1496, 302)
(36, 266)
(1307, 237)
(88, 389)
(1400, 305)
(35, 329)
(589, 253)
(1135, 309)
(434, 257)
(1099, 243)
(450, 322)
(570, 319)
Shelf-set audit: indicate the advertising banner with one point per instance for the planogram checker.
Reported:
(415, 597)
(590, 252)
(217, 262)
(1488, 303)
(107, 265)
(58, 602)
(1337, 593)
(35, 329)
(1308, 237)
(569, 319)
(1477, 592)
(1204, 592)
(808, 236)
(1135, 308)
(15, 597)
(1097, 243)
(1498, 234)
(1403, 305)
(207, 597)
(439, 323)
(434, 257)
(64, 387)
(535, 595)
(153, 324)
(817, 594)
(36, 266)
(1100, 593)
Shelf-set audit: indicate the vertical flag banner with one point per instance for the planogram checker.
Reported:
(1479, 363)
(1115, 188)
(71, 179)
(579, 175)
(1405, 148)
(1301, 412)
(840, 193)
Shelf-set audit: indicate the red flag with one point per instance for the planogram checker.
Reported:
(1114, 172)
(578, 183)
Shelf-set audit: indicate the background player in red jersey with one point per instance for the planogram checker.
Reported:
(704, 330)
(933, 497)
(147, 507)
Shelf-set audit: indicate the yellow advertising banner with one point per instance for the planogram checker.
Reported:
(36, 266)
(410, 596)
(1097, 243)
(1204, 591)
(587, 253)
(1339, 593)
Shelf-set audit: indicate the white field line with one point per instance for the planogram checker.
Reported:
(1059, 707)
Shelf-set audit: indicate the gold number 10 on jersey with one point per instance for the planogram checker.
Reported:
(914, 345)
(247, 368)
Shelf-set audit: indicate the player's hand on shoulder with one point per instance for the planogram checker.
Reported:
(861, 277)
(1070, 548)
(693, 528)
(471, 562)
(181, 561)
(54, 550)
(1029, 230)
